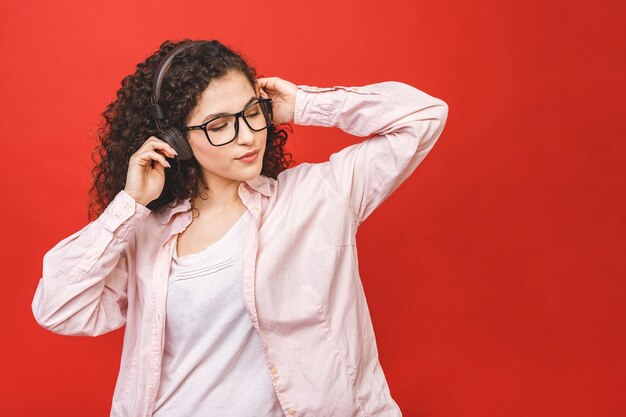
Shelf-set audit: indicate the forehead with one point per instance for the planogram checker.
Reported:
(227, 94)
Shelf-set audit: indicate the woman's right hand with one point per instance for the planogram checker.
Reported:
(143, 182)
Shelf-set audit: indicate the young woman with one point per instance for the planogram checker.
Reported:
(236, 276)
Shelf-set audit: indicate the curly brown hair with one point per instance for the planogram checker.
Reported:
(128, 122)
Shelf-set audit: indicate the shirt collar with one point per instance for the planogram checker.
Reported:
(261, 184)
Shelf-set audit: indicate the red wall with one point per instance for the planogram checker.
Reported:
(504, 293)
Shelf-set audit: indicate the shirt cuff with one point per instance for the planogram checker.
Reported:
(123, 212)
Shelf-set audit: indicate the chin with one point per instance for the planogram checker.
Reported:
(251, 173)
(258, 171)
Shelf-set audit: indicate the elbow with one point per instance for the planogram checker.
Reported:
(47, 321)
(440, 118)
(442, 113)
(428, 131)
(44, 316)
(49, 315)
(53, 317)
(37, 307)
(64, 327)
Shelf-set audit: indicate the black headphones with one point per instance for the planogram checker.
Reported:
(173, 136)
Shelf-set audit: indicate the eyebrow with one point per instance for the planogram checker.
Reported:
(211, 116)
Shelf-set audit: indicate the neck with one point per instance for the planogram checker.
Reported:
(218, 198)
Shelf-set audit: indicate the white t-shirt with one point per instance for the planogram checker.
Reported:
(213, 364)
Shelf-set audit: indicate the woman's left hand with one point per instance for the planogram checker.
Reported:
(283, 95)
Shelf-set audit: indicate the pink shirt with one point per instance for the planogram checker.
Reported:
(301, 284)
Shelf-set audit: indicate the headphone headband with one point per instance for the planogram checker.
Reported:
(160, 74)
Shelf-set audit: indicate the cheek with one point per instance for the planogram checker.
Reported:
(264, 142)
(210, 157)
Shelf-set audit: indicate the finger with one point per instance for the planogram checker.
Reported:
(261, 81)
(148, 144)
(159, 168)
(145, 157)
(268, 83)
(156, 143)
(263, 93)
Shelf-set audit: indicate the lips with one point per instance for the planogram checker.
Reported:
(248, 154)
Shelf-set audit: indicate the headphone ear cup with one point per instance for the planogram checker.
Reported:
(177, 140)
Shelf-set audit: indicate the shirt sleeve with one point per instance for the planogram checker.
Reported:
(405, 123)
(82, 291)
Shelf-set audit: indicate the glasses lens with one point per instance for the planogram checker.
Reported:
(257, 116)
(221, 130)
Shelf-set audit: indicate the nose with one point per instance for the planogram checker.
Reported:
(244, 134)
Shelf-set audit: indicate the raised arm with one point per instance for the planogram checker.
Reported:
(406, 123)
(82, 291)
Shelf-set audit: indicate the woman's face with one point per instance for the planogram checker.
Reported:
(229, 94)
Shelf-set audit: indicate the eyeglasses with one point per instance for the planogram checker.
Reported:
(223, 130)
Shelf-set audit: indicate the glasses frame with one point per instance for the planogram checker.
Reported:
(237, 116)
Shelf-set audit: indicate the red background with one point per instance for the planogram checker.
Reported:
(504, 293)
